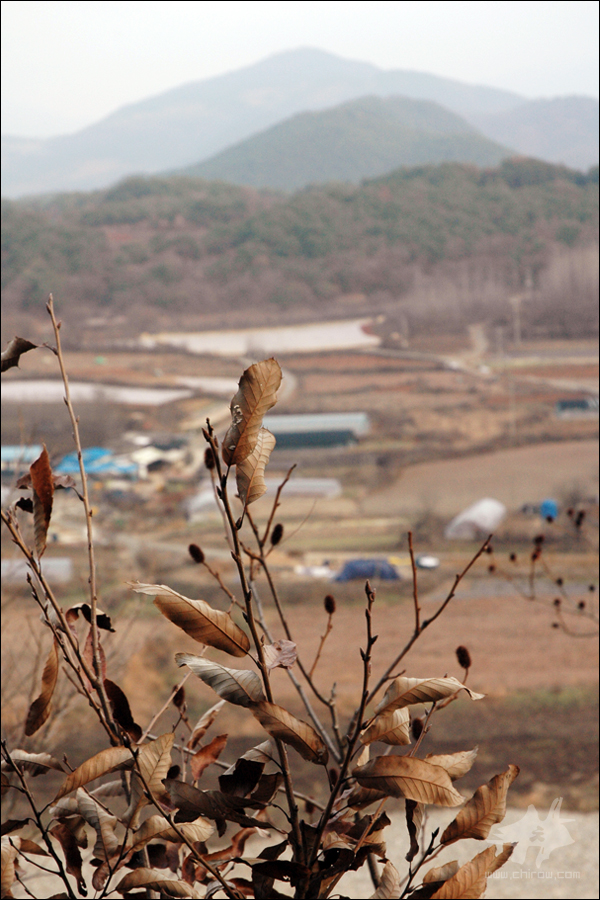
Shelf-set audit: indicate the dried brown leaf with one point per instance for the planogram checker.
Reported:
(70, 849)
(239, 686)
(404, 691)
(121, 710)
(204, 723)
(107, 843)
(285, 727)
(280, 653)
(101, 764)
(192, 803)
(404, 776)
(441, 873)
(34, 763)
(13, 351)
(250, 472)
(152, 764)
(455, 764)
(469, 882)
(486, 807)
(43, 496)
(203, 623)
(389, 889)
(41, 707)
(88, 656)
(390, 728)
(414, 820)
(59, 482)
(207, 755)
(102, 619)
(10, 847)
(157, 881)
(158, 827)
(256, 394)
(504, 855)
(359, 797)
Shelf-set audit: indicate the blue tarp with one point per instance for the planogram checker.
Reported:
(548, 509)
(367, 568)
(97, 461)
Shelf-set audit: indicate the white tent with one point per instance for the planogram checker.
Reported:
(478, 520)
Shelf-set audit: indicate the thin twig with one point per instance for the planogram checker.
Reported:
(99, 683)
(413, 566)
(25, 788)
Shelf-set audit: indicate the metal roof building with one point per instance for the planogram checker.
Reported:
(318, 429)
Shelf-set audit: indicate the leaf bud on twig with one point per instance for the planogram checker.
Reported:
(329, 604)
(464, 657)
(276, 534)
(196, 553)
(416, 726)
(209, 459)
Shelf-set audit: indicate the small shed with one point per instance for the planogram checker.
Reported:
(362, 569)
(318, 429)
(478, 520)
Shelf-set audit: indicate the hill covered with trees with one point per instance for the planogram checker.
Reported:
(360, 139)
(435, 246)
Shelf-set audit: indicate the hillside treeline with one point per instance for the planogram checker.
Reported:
(434, 247)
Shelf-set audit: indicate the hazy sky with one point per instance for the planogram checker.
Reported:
(68, 64)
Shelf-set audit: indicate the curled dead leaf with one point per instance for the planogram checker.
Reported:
(14, 351)
(285, 727)
(455, 764)
(414, 819)
(405, 776)
(390, 728)
(152, 764)
(470, 880)
(486, 807)
(42, 705)
(256, 394)
(404, 691)
(34, 763)
(239, 686)
(389, 889)
(441, 873)
(204, 723)
(43, 496)
(207, 755)
(154, 879)
(72, 854)
(121, 710)
(158, 827)
(102, 763)
(250, 472)
(198, 619)
(280, 653)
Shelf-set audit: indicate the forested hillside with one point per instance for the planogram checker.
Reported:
(360, 139)
(434, 245)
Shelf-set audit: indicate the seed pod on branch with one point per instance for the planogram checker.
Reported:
(196, 553)
(329, 604)
(464, 657)
(276, 534)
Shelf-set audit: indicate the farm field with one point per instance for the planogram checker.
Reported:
(448, 426)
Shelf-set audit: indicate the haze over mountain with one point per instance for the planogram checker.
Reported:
(359, 139)
(191, 123)
(561, 130)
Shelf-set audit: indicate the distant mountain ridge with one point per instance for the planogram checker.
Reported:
(561, 130)
(191, 123)
(359, 139)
